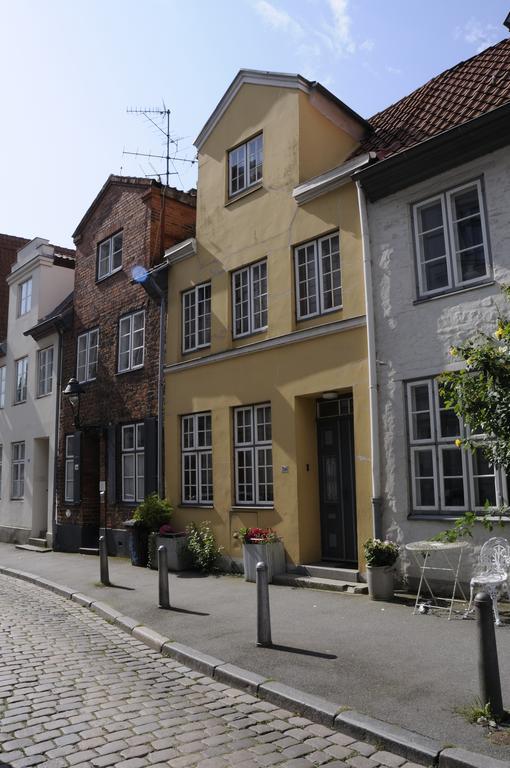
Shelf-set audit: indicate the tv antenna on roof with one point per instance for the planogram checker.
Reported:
(162, 112)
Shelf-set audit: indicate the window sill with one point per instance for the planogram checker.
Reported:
(110, 274)
(195, 506)
(454, 292)
(243, 194)
(319, 314)
(451, 516)
(250, 508)
(186, 352)
(130, 370)
(252, 333)
(19, 402)
(46, 394)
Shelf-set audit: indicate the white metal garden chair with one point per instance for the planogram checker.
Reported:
(491, 573)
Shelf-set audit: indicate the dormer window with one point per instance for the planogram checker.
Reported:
(25, 297)
(245, 166)
(109, 256)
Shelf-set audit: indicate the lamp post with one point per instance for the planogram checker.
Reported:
(72, 392)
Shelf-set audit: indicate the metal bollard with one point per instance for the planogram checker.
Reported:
(164, 598)
(103, 562)
(488, 667)
(263, 615)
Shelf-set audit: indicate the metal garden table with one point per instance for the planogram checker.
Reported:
(437, 557)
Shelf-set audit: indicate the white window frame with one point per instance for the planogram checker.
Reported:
(454, 280)
(25, 297)
(196, 456)
(200, 307)
(113, 251)
(416, 449)
(20, 393)
(69, 469)
(243, 150)
(252, 447)
(18, 470)
(136, 452)
(319, 295)
(465, 482)
(91, 355)
(249, 273)
(44, 371)
(423, 440)
(3, 380)
(129, 322)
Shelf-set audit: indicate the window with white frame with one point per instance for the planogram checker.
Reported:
(249, 299)
(87, 355)
(20, 388)
(44, 371)
(3, 378)
(25, 297)
(133, 461)
(69, 469)
(245, 165)
(318, 277)
(445, 478)
(131, 341)
(196, 317)
(253, 455)
(196, 459)
(109, 256)
(451, 240)
(18, 470)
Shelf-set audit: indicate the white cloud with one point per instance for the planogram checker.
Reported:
(367, 45)
(278, 19)
(478, 34)
(342, 26)
(393, 70)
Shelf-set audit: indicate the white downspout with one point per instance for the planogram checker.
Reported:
(372, 365)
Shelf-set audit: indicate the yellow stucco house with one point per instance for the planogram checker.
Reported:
(267, 417)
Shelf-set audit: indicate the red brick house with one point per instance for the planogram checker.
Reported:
(108, 446)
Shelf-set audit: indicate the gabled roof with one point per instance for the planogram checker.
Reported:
(462, 93)
(277, 80)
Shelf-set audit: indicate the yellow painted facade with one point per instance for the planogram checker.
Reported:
(291, 363)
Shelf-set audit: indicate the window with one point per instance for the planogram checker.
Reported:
(196, 450)
(44, 371)
(20, 391)
(18, 470)
(249, 297)
(196, 318)
(69, 469)
(109, 256)
(253, 455)
(86, 356)
(3, 370)
(445, 478)
(133, 459)
(25, 297)
(131, 341)
(245, 166)
(318, 277)
(451, 240)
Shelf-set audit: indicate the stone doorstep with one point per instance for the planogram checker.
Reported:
(315, 582)
(33, 548)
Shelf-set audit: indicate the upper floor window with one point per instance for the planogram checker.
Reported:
(3, 377)
(196, 317)
(133, 462)
(196, 457)
(245, 165)
(131, 341)
(86, 356)
(20, 390)
(451, 240)
(25, 297)
(249, 298)
(109, 256)
(44, 371)
(18, 470)
(253, 455)
(318, 277)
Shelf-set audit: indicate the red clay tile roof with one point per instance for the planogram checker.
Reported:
(462, 93)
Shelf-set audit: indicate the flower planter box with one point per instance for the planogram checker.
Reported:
(380, 580)
(178, 556)
(272, 553)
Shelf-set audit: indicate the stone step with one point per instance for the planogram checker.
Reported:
(325, 571)
(313, 582)
(32, 548)
(36, 542)
(88, 551)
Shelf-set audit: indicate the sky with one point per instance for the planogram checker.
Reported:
(70, 69)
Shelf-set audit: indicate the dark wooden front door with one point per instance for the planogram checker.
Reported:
(335, 436)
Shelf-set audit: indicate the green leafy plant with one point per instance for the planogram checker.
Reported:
(477, 711)
(153, 512)
(379, 553)
(202, 546)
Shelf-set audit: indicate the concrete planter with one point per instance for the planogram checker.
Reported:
(273, 554)
(380, 582)
(177, 555)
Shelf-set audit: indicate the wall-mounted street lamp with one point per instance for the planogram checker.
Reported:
(72, 393)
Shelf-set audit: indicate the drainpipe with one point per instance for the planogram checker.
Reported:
(162, 334)
(372, 366)
(57, 430)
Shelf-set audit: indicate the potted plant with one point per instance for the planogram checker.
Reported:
(380, 556)
(148, 517)
(175, 543)
(261, 545)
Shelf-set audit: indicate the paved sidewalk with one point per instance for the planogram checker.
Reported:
(77, 691)
(413, 671)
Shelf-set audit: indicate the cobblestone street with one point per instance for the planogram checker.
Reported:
(77, 691)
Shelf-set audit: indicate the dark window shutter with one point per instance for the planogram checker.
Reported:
(151, 455)
(77, 467)
(111, 478)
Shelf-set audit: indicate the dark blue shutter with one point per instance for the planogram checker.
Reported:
(151, 455)
(111, 476)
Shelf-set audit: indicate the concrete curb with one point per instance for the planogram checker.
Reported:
(401, 741)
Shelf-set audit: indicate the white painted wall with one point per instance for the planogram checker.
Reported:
(413, 339)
